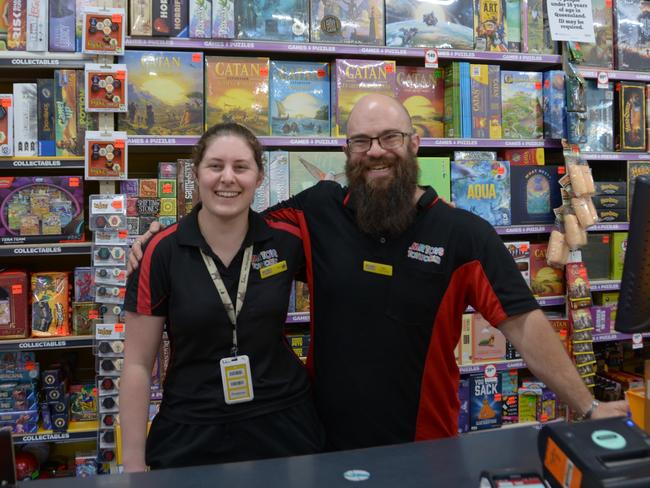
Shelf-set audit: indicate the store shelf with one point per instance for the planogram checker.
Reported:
(72, 342)
(77, 431)
(524, 229)
(500, 366)
(335, 49)
(616, 336)
(23, 59)
(297, 318)
(610, 227)
(615, 75)
(41, 163)
(66, 248)
(605, 285)
(615, 156)
(276, 141)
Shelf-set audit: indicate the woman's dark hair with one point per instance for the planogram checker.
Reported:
(228, 129)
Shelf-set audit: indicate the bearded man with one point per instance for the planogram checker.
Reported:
(391, 268)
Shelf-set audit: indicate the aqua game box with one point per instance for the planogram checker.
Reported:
(535, 193)
(41, 209)
(165, 93)
(300, 99)
(483, 188)
(422, 23)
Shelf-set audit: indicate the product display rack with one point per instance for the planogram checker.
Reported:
(616, 156)
(615, 75)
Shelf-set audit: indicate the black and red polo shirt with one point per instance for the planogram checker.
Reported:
(172, 281)
(382, 347)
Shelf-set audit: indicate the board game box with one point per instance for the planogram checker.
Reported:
(237, 90)
(631, 120)
(485, 402)
(422, 92)
(300, 98)
(599, 126)
(65, 112)
(435, 172)
(630, 31)
(421, 23)
(601, 53)
(165, 93)
(308, 168)
(490, 29)
(279, 20)
(634, 169)
(535, 193)
(347, 21)
(521, 105)
(483, 188)
(545, 281)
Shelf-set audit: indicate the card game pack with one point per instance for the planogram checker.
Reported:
(105, 88)
(103, 31)
(41, 209)
(106, 155)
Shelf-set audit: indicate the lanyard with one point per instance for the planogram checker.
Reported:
(232, 311)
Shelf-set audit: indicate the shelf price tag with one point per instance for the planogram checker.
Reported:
(490, 372)
(431, 58)
(637, 341)
(603, 80)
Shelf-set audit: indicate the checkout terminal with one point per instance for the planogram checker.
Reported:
(611, 453)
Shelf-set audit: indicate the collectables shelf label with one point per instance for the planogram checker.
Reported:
(41, 344)
(44, 437)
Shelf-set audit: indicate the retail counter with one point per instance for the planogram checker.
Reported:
(454, 463)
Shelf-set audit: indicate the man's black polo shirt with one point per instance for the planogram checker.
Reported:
(172, 281)
(382, 347)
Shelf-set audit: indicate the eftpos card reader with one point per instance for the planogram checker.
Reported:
(610, 452)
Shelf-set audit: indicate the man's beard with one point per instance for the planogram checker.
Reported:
(384, 207)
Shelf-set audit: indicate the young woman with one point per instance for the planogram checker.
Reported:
(220, 279)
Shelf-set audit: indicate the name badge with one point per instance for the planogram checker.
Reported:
(236, 379)
(273, 269)
(378, 268)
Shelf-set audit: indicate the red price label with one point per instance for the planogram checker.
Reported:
(116, 18)
(167, 188)
(390, 68)
(120, 75)
(118, 328)
(117, 204)
(538, 85)
(561, 170)
(74, 182)
(119, 143)
(264, 71)
(122, 234)
(5, 102)
(196, 57)
(122, 294)
(93, 314)
(606, 239)
(16, 289)
(497, 397)
(321, 73)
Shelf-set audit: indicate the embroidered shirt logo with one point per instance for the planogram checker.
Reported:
(264, 259)
(425, 253)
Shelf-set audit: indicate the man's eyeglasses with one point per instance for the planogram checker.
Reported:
(390, 140)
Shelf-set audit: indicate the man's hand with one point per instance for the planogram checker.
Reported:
(136, 249)
(611, 409)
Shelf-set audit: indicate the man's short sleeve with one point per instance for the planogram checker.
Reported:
(148, 287)
(502, 292)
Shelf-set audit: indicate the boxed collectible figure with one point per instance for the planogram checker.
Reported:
(281, 20)
(545, 281)
(353, 78)
(105, 88)
(103, 31)
(6, 125)
(485, 402)
(25, 120)
(41, 209)
(106, 155)
(535, 193)
(308, 168)
(45, 117)
(62, 26)
(520, 252)
(436, 172)
(14, 305)
(348, 22)
(601, 53)
(490, 30)
(421, 91)
(300, 98)
(631, 128)
(50, 304)
(632, 42)
(483, 188)
(65, 112)
(420, 23)
(140, 12)
(165, 93)
(238, 90)
(521, 105)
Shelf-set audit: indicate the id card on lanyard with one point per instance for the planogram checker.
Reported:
(236, 375)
